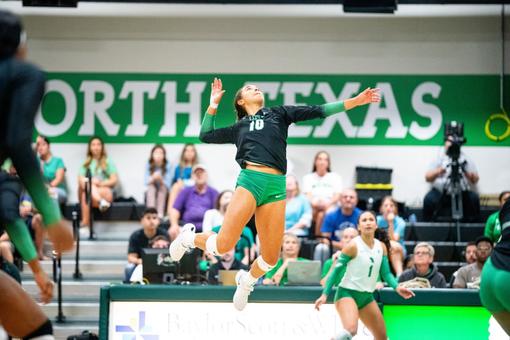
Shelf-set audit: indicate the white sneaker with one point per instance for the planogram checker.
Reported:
(104, 205)
(243, 290)
(183, 242)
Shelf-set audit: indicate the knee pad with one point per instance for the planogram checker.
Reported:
(10, 190)
(211, 245)
(263, 264)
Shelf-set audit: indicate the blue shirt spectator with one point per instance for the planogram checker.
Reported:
(336, 221)
(342, 217)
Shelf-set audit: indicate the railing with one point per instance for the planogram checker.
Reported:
(57, 277)
(88, 197)
(76, 228)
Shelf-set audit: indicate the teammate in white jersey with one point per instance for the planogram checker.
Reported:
(359, 266)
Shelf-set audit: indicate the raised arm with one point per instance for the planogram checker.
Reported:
(368, 96)
(208, 132)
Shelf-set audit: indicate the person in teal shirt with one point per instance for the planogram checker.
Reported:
(53, 170)
(493, 225)
(104, 179)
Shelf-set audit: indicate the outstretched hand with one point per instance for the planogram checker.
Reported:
(45, 286)
(369, 96)
(320, 301)
(216, 93)
(405, 292)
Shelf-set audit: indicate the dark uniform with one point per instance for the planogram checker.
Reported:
(494, 291)
(21, 91)
(262, 139)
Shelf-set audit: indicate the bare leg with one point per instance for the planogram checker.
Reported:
(161, 200)
(503, 319)
(238, 213)
(39, 235)
(6, 251)
(151, 196)
(373, 319)
(348, 311)
(318, 217)
(85, 211)
(174, 192)
(270, 222)
(23, 316)
(105, 193)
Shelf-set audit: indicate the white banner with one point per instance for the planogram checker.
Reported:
(211, 320)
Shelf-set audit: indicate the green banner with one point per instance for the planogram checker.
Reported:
(436, 322)
(168, 108)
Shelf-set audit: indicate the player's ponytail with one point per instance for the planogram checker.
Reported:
(241, 112)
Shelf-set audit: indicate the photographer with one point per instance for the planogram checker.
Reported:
(452, 169)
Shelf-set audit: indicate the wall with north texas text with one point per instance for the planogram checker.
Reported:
(427, 68)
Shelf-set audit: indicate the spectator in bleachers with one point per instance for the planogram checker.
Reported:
(182, 175)
(470, 257)
(470, 252)
(158, 176)
(493, 226)
(468, 276)
(192, 202)
(298, 212)
(6, 248)
(104, 179)
(424, 267)
(344, 216)
(53, 170)
(347, 235)
(395, 226)
(290, 250)
(213, 219)
(33, 221)
(141, 238)
(439, 176)
(322, 188)
(227, 261)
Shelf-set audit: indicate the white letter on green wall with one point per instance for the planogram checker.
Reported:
(193, 108)
(389, 113)
(324, 130)
(138, 89)
(52, 130)
(426, 110)
(93, 108)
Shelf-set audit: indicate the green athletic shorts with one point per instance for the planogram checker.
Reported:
(266, 188)
(494, 291)
(361, 298)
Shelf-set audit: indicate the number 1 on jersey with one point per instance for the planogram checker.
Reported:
(371, 266)
(256, 124)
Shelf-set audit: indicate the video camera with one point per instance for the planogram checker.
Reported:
(454, 132)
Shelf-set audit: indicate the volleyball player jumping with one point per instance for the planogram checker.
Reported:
(260, 135)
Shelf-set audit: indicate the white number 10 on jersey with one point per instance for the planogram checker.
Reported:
(256, 124)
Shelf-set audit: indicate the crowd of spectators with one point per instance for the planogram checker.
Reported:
(323, 211)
